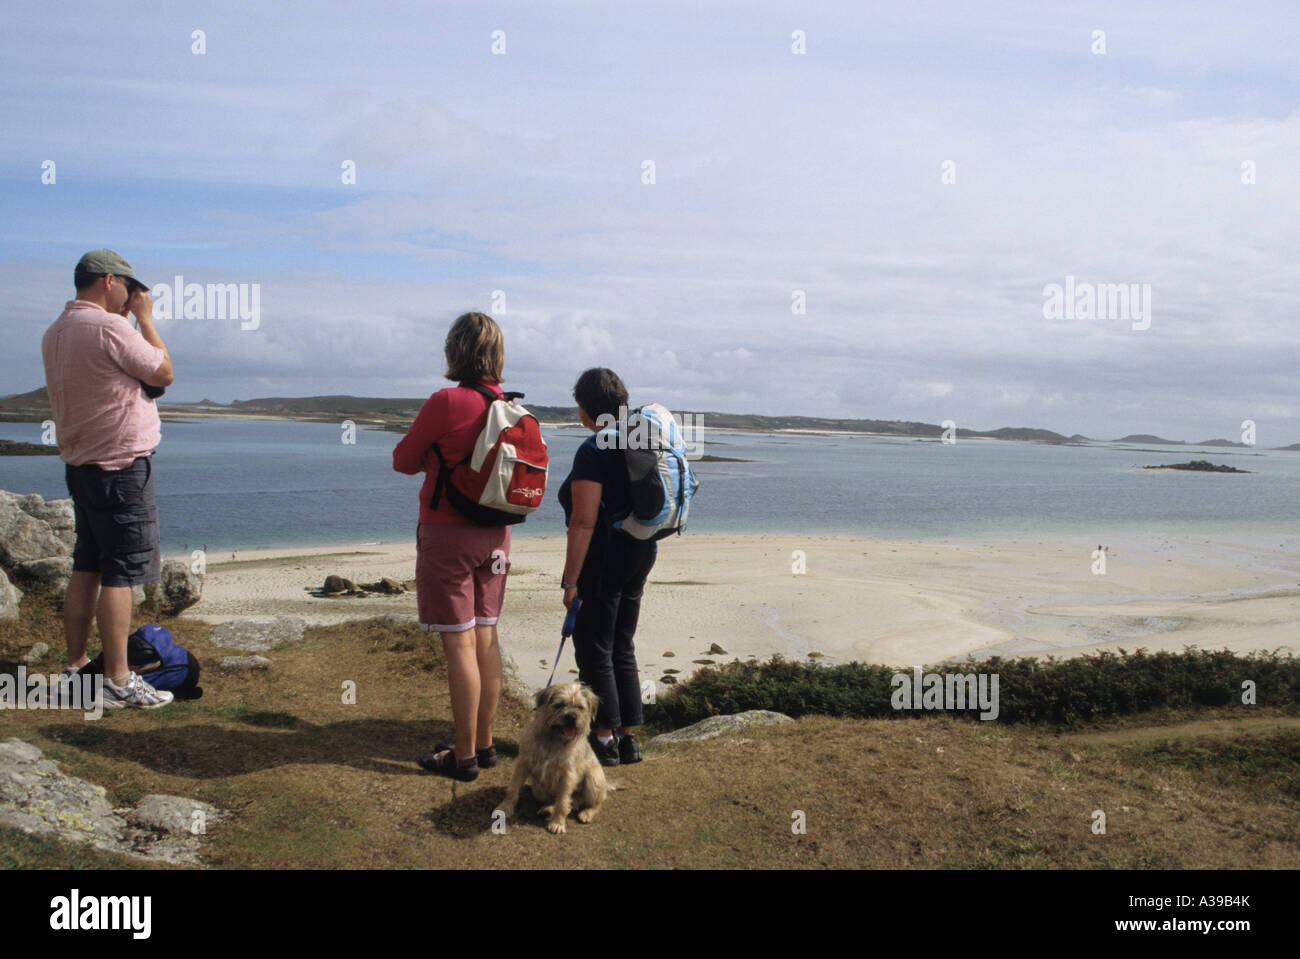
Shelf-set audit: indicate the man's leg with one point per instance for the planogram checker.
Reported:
(114, 624)
(78, 614)
(127, 534)
(83, 587)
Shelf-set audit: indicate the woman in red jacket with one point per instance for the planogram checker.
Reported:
(461, 567)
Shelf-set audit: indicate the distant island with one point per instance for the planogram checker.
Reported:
(1147, 438)
(395, 414)
(19, 448)
(1199, 466)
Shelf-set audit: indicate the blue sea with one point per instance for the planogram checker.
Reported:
(231, 484)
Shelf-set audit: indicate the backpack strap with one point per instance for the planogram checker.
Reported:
(488, 395)
(444, 469)
(441, 481)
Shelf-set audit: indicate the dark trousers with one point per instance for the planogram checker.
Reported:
(610, 585)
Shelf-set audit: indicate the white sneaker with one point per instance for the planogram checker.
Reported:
(135, 693)
(72, 674)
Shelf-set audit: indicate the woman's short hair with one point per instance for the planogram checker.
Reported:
(475, 349)
(600, 392)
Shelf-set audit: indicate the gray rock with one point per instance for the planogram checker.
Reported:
(717, 725)
(334, 584)
(17, 751)
(37, 653)
(23, 537)
(55, 571)
(177, 590)
(256, 634)
(716, 650)
(240, 664)
(10, 597)
(512, 685)
(37, 799)
(172, 814)
(59, 514)
(137, 595)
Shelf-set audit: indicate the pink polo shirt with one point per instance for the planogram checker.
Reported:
(94, 361)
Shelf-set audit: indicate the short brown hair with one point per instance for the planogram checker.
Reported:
(600, 392)
(475, 349)
(83, 279)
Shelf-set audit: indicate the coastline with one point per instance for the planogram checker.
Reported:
(898, 602)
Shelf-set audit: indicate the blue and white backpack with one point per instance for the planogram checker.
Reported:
(660, 480)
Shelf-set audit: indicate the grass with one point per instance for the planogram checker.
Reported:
(316, 783)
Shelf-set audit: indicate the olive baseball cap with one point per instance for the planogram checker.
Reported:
(106, 261)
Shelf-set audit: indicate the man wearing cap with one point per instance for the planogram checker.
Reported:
(96, 369)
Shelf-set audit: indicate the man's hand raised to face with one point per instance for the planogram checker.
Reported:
(141, 304)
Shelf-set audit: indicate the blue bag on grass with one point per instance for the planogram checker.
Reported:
(161, 662)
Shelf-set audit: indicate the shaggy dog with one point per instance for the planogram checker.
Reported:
(555, 756)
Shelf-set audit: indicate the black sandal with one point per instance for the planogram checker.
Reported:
(448, 764)
(487, 758)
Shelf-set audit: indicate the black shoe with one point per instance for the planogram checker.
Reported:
(448, 765)
(608, 755)
(628, 752)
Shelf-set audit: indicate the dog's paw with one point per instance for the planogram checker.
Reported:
(555, 827)
(545, 811)
(586, 815)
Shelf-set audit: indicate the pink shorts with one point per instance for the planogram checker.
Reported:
(460, 575)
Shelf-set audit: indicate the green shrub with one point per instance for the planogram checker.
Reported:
(1064, 692)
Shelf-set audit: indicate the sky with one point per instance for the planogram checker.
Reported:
(916, 175)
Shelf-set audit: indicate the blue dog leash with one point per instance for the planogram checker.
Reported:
(565, 632)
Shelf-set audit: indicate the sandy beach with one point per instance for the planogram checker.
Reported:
(895, 602)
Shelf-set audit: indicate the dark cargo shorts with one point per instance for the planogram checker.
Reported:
(117, 523)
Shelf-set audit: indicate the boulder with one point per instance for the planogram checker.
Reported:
(54, 571)
(172, 814)
(389, 587)
(243, 664)
(37, 799)
(24, 537)
(10, 597)
(512, 686)
(717, 725)
(335, 584)
(177, 590)
(59, 514)
(38, 652)
(256, 634)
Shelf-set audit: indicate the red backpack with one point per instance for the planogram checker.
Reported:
(503, 478)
